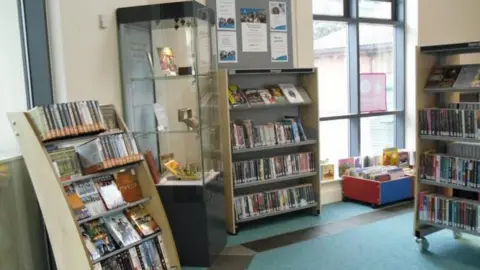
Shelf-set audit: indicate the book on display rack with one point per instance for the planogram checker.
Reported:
(116, 228)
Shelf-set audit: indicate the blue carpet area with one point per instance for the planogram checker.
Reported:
(293, 222)
(387, 244)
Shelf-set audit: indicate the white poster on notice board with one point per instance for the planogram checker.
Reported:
(254, 29)
(226, 15)
(279, 47)
(278, 16)
(227, 47)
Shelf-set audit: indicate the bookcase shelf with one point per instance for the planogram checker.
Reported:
(266, 113)
(64, 232)
(440, 60)
(276, 180)
(447, 185)
(277, 213)
(451, 90)
(448, 139)
(271, 147)
(125, 248)
(452, 228)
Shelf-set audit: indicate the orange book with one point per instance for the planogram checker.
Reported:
(128, 186)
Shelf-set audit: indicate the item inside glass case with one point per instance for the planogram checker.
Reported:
(186, 116)
(167, 61)
(189, 172)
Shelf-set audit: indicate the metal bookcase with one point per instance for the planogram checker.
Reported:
(309, 115)
(64, 234)
(427, 57)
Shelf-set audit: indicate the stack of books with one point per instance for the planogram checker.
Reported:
(273, 201)
(270, 168)
(62, 120)
(244, 134)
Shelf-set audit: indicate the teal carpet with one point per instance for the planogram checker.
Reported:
(386, 244)
(294, 222)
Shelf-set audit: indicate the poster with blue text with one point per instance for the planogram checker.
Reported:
(278, 16)
(279, 47)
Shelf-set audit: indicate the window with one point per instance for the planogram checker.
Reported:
(12, 82)
(330, 50)
(359, 57)
(328, 7)
(381, 9)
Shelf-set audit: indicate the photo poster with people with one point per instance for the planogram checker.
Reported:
(278, 16)
(254, 29)
(227, 47)
(226, 15)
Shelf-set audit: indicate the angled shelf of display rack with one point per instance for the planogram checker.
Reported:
(275, 180)
(272, 214)
(67, 243)
(105, 172)
(434, 92)
(306, 111)
(125, 248)
(447, 185)
(271, 147)
(115, 210)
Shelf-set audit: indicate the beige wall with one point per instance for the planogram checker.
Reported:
(447, 21)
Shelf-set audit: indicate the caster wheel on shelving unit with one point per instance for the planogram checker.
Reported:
(457, 235)
(422, 244)
(317, 213)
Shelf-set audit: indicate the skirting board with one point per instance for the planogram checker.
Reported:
(331, 193)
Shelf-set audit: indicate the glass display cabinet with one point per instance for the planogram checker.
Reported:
(170, 101)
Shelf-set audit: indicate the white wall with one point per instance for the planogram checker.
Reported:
(85, 57)
(12, 84)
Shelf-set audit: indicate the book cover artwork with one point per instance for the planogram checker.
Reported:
(122, 231)
(291, 93)
(167, 61)
(468, 77)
